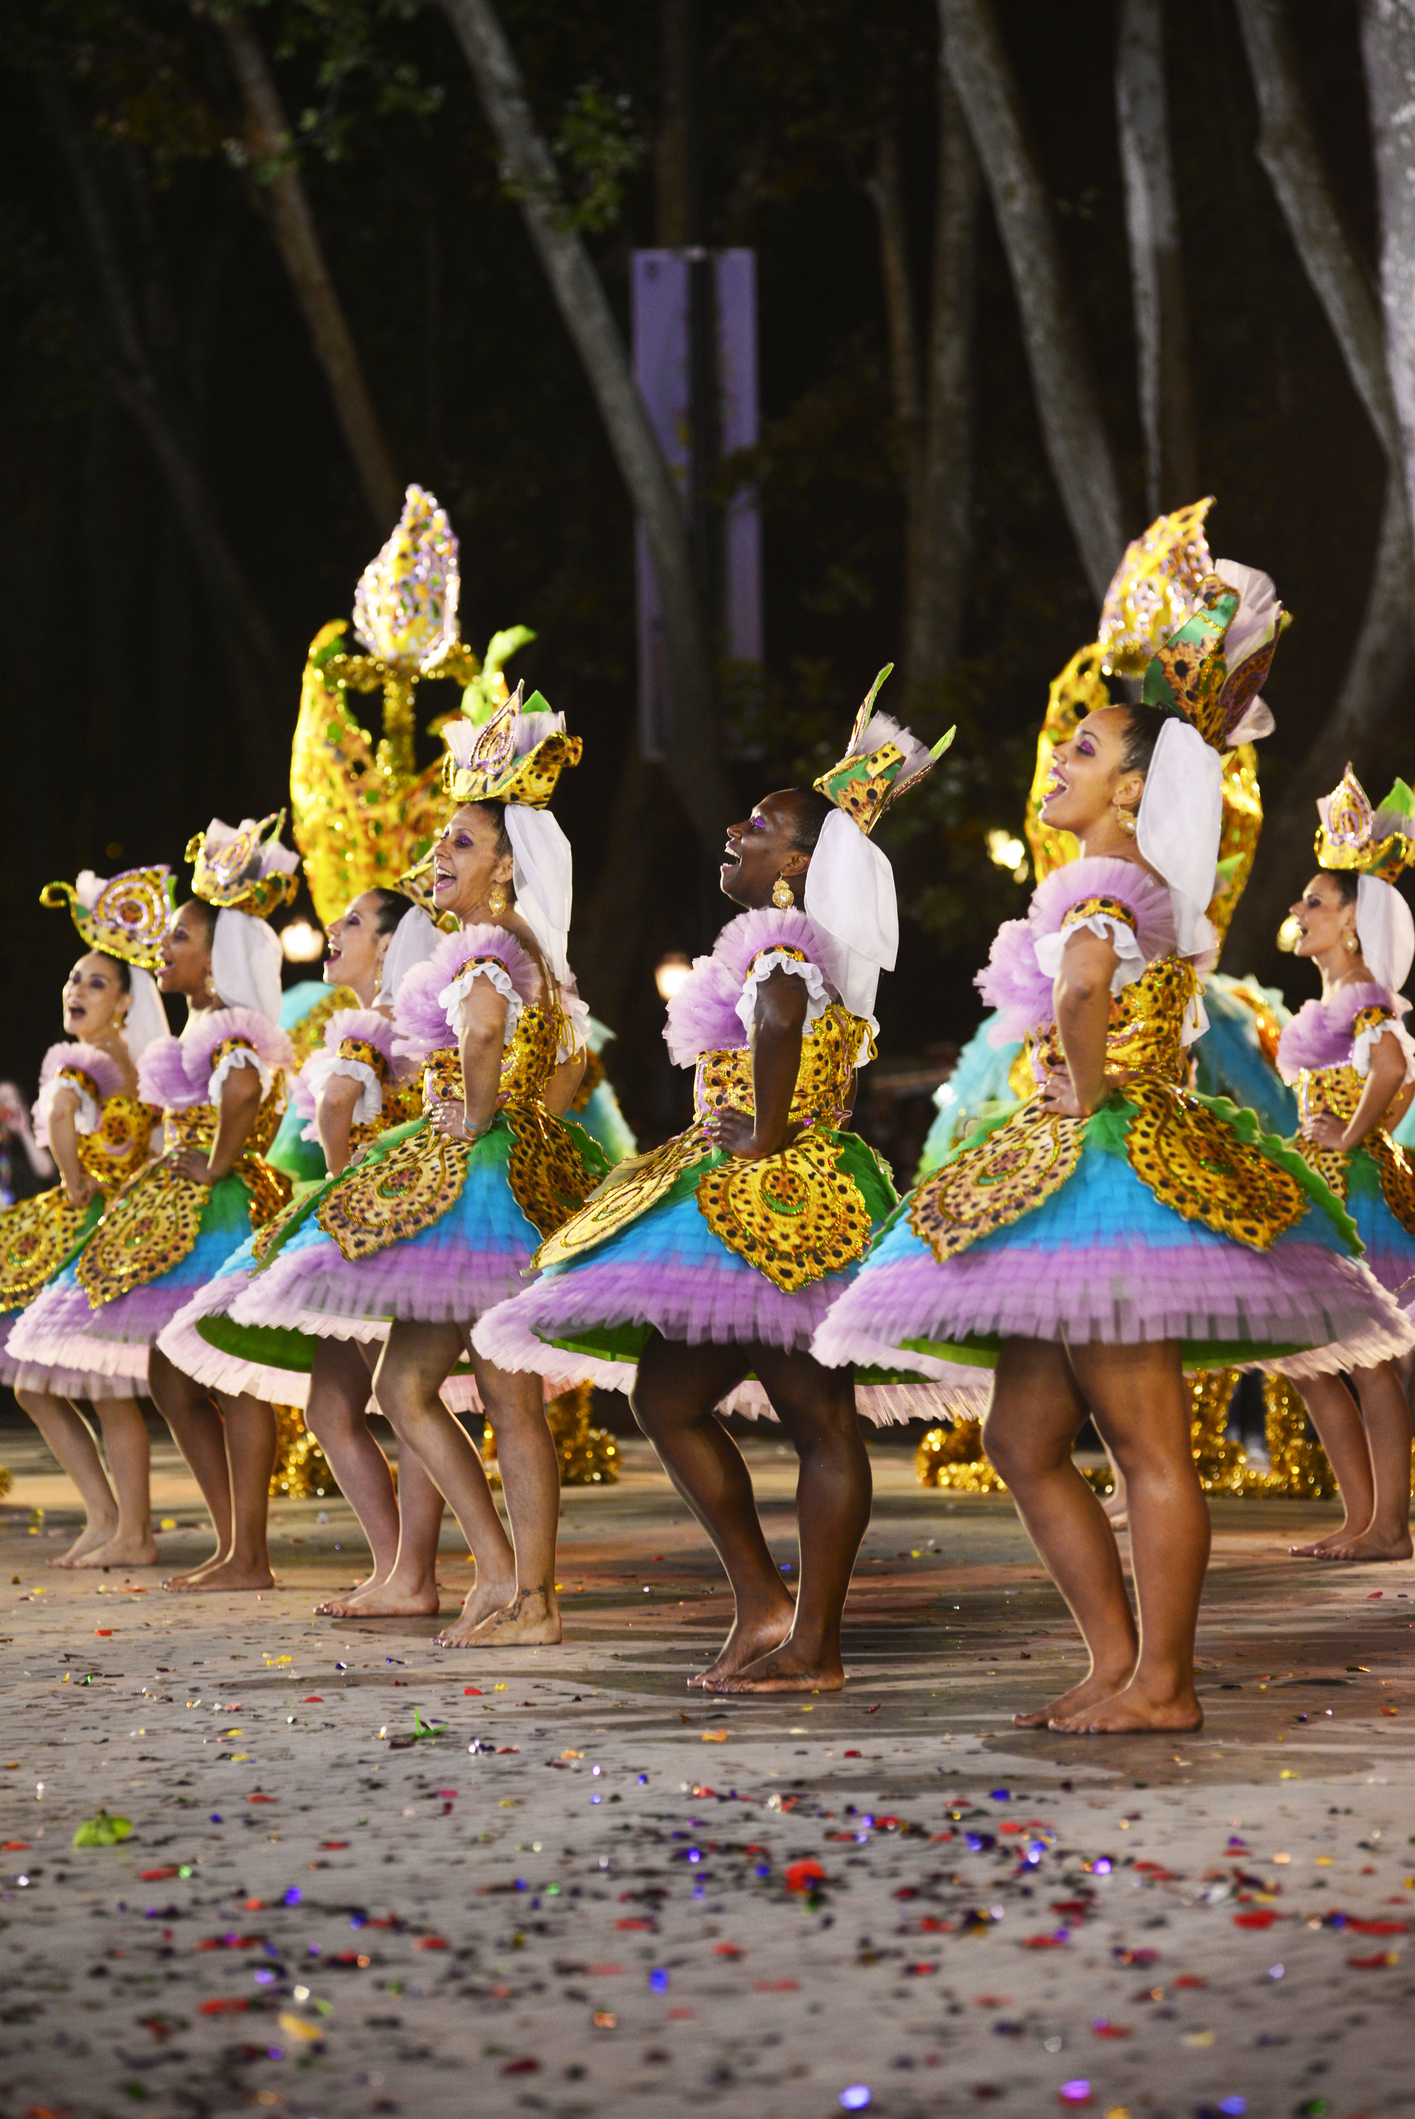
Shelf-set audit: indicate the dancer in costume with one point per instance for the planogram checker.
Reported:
(713, 1259)
(1353, 1062)
(440, 1218)
(354, 1088)
(220, 1086)
(92, 1120)
(1117, 1226)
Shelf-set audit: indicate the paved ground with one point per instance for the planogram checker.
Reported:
(593, 1890)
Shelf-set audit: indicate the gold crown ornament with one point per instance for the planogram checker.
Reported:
(1374, 842)
(516, 753)
(362, 813)
(881, 760)
(1210, 671)
(1154, 589)
(246, 870)
(125, 916)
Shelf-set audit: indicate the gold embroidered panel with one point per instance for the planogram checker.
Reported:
(795, 1216)
(548, 1179)
(1193, 1162)
(628, 1192)
(1397, 1176)
(151, 1226)
(988, 1187)
(36, 1236)
(381, 1203)
(1335, 1089)
(119, 1143)
(1146, 1023)
(824, 1079)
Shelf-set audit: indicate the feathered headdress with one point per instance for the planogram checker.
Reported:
(881, 760)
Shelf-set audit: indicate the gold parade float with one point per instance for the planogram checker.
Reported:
(1155, 590)
(363, 815)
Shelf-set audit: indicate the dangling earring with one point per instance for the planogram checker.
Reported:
(1125, 818)
(782, 894)
(496, 901)
(211, 992)
(1352, 944)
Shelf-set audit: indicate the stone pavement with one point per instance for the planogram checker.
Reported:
(583, 1889)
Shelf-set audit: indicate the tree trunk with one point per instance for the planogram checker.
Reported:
(941, 541)
(1067, 403)
(886, 189)
(692, 764)
(248, 645)
(1388, 42)
(1156, 269)
(282, 189)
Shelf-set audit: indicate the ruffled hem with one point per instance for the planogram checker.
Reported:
(886, 1404)
(318, 1290)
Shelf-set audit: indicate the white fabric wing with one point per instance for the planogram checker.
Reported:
(1364, 1045)
(1385, 931)
(414, 939)
(146, 1017)
(544, 878)
(245, 963)
(850, 895)
(451, 997)
(817, 995)
(242, 1056)
(1179, 825)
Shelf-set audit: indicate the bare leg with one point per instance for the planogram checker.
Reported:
(250, 1455)
(1116, 1503)
(1337, 1419)
(415, 1360)
(1036, 1414)
(1385, 1415)
(1142, 1408)
(336, 1416)
(530, 1480)
(407, 1587)
(816, 1407)
(200, 1435)
(674, 1394)
(129, 1460)
(69, 1438)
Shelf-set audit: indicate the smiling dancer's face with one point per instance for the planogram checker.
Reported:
(1089, 775)
(95, 998)
(356, 948)
(763, 848)
(186, 950)
(1324, 918)
(470, 860)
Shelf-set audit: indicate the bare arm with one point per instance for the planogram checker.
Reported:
(561, 1089)
(1082, 1000)
(79, 1187)
(777, 1029)
(1383, 1087)
(334, 1115)
(481, 1040)
(240, 1101)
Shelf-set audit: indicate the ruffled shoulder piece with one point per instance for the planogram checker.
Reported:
(202, 1040)
(423, 1016)
(1322, 1032)
(1119, 899)
(364, 1026)
(162, 1075)
(705, 1015)
(355, 1027)
(102, 1077)
(100, 1067)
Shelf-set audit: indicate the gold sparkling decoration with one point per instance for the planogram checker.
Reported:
(1154, 589)
(37, 1236)
(1350, 835)
(588, 1456)
(952, 1458)
(301, 1471)
(795, 1216)
(548, 1178)
(987, 1187)
(1299, 1463)
(127, 919)
(229, 876)
(405, 606)
(386, 1200)
(1195, 1164)
(862, 785)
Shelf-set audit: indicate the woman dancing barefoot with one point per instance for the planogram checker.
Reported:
(712, 1260)
(220, 1086)
(438, 1221)
(1354, 1065)
(348, 1092)
(1117, 1227)
(92, 1120)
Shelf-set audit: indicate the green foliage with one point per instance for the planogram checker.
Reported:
(597, 146)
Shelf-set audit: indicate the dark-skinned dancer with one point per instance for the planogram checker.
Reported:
(1116, 1227)
(710, 1261)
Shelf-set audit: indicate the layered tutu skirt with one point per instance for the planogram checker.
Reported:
(1103, 1260)
(1390, 1247)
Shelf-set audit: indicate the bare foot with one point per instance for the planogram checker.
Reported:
(88, 1540)
(1089, 1693)
(122, 1552)
(193, 1577)
(1373, 1544)
(1131, 1710)
(383, 1600)
(226, 1574)
(784, 1669)
(1322, 1548)
(747, 1643)
(530, 1620)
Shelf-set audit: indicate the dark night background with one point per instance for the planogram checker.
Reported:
(125, 730)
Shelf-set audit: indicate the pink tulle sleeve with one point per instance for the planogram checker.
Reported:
(1321, 1033)
(162, 1076)
(703, 1016)
(425, 1016)
(250, 1039)
(103, 1077)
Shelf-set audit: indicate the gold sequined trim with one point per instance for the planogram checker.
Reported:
(988, 1187)
(794, 1216)
(547, 1176)
(36, 1236)
(1085, 907)
(629, 1191)
(1196, 1164)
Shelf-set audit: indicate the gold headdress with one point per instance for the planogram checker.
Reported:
(126, 916)
(1154, 589)
(515, 754)
(881, 760)
(1211, 670)
(362, 813)
(246, 870)
(1352, 835)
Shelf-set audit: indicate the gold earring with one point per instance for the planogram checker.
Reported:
(782, 894)
(211, 992)
(496, 901)
(1352, 944)
(1125, 818)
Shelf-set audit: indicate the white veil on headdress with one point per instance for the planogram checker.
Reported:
(245, 874)
(412, 943)
(1379, 844)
